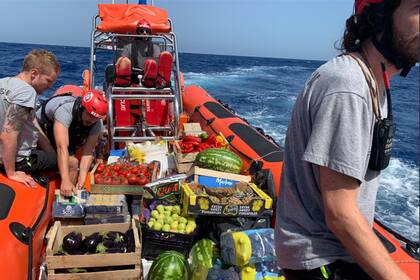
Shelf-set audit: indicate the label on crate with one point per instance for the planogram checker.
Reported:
(215, 182)
(206, 207)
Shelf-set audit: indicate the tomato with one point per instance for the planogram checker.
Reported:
(142, 180)
(124, 172)
(100, 168)
(107, 180)
(132, 179)
(116, 168)
(124, 181)
(98, 178)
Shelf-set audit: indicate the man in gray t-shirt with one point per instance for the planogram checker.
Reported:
(23, 147)
(326, 204)
(71, 123)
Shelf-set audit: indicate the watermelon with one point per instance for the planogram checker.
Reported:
(169, 265)
(202, 256)
(219, 160)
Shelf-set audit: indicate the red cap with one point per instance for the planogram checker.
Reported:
(72, 89)
(359, 5)
(95, 103)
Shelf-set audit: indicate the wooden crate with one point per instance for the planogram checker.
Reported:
(55, 238)
(120, 189)
(183, 167)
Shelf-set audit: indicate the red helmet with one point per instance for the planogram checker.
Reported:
(359, 5)
(95, 103)
(144, 24)
(72, 89)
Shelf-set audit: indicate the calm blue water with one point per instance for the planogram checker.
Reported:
(263, 91)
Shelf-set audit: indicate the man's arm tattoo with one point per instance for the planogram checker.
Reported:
(15, 116)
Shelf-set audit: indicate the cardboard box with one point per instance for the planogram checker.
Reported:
(216, 179)
(203, 205)
(56, 264)
(192, 129)
(73, 207)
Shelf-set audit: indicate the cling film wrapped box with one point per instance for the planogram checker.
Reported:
(244, 200)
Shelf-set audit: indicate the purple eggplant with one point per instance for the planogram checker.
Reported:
(90, 242)
(73, 243)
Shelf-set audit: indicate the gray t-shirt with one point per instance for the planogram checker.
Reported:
(332, 126)
(139, 51)
(16, 91)
(61, 109)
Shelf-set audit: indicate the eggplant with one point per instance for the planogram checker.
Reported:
(90, 242)
(112, 235)
(73, 243)
(108, 247)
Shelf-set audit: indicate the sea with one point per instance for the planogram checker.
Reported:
(263, 91)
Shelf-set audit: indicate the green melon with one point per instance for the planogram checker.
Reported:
(219, 160)
(169, 265)
(202, 256)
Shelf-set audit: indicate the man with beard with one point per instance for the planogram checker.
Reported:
(332, 160)
(23, 146)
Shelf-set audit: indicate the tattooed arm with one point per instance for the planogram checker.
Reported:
(9, 133)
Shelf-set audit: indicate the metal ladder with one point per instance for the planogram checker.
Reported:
(140, 132)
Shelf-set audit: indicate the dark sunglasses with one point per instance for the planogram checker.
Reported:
(143, 31)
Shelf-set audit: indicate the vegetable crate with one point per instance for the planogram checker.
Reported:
(121, 189)
(202, 203)
(119, 261)
(156, 242)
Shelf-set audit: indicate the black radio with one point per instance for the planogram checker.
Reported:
(383, 134)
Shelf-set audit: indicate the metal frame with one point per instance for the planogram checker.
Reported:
(107, 40)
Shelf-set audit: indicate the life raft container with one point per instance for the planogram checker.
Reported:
(25, 214)
(244, 140)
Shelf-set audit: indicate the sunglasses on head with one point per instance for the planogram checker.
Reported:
(143, 31)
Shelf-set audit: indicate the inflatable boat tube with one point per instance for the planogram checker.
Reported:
(244, 140)
(25, 214)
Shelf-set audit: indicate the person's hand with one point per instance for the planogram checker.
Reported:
(67, 188)
(79, 186)
(24, 178)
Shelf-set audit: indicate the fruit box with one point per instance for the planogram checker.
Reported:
(121, 189)
(129, 263)
(216, 179)
(203, 204)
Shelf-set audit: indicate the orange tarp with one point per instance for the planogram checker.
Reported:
(123, 18)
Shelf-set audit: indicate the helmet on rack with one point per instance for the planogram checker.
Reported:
(69, 89)
(143, 25)
(95, 103)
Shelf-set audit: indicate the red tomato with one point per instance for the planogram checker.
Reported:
(124, 181)
(124, 172)
(107, 180)
(132, 179)
(116, 167)
(142, 180)
(100, 168)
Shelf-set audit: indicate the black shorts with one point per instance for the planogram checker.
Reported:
(37, 161)
(338, 270)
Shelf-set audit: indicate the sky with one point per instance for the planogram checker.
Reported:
(301, 29)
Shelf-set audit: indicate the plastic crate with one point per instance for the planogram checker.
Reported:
(156, 242)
